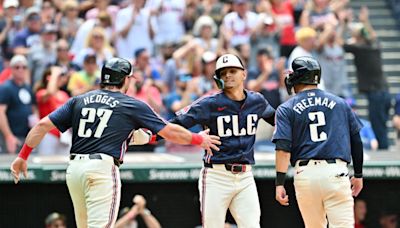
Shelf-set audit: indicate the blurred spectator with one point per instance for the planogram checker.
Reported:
(86, 79)
(214, 8)
(371, 80)
(102, 5)
(360, 211)
(49, 97)
(168, 65)
(265, 78)
(70, 22)
(205, 30)
(10, 24)
(55, 220)
(48, 13)
(306, 43)
(282, 11)
(29, 35)
(332, 60)
(239, 25)
(96, 44)
(396, 116)
(142, 64)
(63, 58)
(131, 21)
(127, 218)
(266, 36)
(388, 219)
(205, 82)
(169, 20)
(103, 20)
(317, 13)
(43, 54)
(187, 58)
(16, 105)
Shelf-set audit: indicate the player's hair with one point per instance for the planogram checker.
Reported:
(119, 86)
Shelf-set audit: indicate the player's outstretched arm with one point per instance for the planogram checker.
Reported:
(180, 135)
(33, 139)
(281, 165)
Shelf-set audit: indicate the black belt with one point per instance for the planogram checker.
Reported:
(305, 162)
(234, 168)
(96, 156)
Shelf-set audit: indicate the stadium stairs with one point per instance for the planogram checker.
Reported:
(384, 22)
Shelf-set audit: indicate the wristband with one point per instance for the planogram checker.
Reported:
(358, 175)
(25, 151)
(196, 139)
(153, 139)
(280, 178)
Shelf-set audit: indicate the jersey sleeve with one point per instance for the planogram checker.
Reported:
(268, 112)
(62, 116)
(196, 113)
(148, 118)
(283, 127)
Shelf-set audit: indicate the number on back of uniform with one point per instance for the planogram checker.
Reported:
(89, 116)
(319, 118)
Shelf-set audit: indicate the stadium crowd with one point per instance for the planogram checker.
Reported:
(52, 50)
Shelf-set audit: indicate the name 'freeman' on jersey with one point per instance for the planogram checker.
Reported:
(100, 98)
(303, 104)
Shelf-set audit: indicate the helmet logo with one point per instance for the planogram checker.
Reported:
(107, 77)
(225, 59)
(315, 78)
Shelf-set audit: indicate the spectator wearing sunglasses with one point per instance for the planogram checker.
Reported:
(17, 107)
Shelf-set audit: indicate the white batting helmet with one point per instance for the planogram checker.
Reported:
(224, 61)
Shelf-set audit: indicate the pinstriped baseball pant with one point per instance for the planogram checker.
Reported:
(220, 189)
(323, 191)
(95, 189)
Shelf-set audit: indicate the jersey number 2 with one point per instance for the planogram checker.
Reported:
(320, 116)
(90, 113)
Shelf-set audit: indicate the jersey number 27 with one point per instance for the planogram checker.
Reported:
(91, 113)
(320, 117)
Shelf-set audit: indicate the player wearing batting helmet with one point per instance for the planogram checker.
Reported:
(318, 133)
(226, 180)
(102, 122)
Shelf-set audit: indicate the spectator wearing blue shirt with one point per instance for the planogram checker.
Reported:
(16, 105)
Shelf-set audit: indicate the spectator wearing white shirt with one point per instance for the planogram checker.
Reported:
(130, 22)
(239, 25)
(169, 24)
(205, 30)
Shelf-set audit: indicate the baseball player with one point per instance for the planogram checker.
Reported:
(319, 134)
(226, 181)
(102, 122)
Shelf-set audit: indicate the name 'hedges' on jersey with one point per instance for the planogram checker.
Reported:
(98, 116)
(235, 122)
(322, 111)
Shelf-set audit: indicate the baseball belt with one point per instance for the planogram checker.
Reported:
(234, 168)
(305, 162)
(95, 156)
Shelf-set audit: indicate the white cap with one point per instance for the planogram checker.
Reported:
(18, 59)
(10, 3)
(228, 60)
(208, 56)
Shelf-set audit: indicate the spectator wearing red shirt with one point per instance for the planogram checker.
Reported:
(283, 14)
(49, 97)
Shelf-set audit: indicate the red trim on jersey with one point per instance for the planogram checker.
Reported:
(114, 200)
(158, 115)
(124, 147)
(187, 108)
(203, 196)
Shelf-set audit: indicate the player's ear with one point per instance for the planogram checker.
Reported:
(244, 75)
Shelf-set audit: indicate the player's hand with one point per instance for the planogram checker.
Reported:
(17, 166)
(356, 185)
(280, 195)
(210, 142)
(140, 137)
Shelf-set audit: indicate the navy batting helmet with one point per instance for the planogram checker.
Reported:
(306, 70)
(114, 71)
(227, 60)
